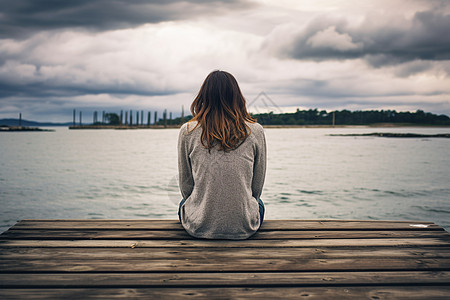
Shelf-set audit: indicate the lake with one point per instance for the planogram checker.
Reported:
(132, 174)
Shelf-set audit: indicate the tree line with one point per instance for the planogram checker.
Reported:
(307, 117)
(346, 117)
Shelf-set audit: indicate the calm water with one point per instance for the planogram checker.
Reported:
(132, 174)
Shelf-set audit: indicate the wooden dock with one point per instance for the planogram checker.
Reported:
(288, 259)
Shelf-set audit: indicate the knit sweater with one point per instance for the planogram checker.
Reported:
(221, 188)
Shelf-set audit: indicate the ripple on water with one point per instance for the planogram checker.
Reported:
(95, 214)
(143, 215)
(432, 209)
(304, 204)
(313, 192)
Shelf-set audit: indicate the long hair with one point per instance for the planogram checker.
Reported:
(220, 111)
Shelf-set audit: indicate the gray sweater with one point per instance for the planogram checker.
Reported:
(221, 188)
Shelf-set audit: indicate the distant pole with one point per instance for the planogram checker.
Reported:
(165, 117)
(121, 117)
(142, 117)
(156, 117)
(81, 118)
(148, 118)
(131, 117)
(182, 114)
(74, 114)
(126, 117)
(20, 119)
(137, 118)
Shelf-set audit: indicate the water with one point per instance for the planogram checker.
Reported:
(132, 174)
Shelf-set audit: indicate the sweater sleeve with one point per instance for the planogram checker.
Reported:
(259, 166)
(186, 180)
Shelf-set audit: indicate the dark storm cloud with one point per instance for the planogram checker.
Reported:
(380, 42)
(21, 18)
(46, 89)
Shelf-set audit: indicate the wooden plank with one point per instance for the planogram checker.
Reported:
(221, 265)
(177, 235)
(231, 253)
(223, 279)
(86, 234)
(386, 242)
(347, 224)
(310, 293)
(268, 225)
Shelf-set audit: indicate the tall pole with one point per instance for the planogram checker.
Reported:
(81, 119)
(148, 118)
(165, 117)
(156, 118)
(74, 114)
(182, 114)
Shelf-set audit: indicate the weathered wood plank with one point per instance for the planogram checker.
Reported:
(7, 253)
(177, 235)
(310, 293)
(108, 280)
(268, 225)
(220, 265)
(385, 242)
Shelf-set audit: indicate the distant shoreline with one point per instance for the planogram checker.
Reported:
(397, 135)
(378, 125)
(123, 127)
(21, 128)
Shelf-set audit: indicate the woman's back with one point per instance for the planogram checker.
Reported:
(222, 189)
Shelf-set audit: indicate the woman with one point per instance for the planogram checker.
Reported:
(221, 164)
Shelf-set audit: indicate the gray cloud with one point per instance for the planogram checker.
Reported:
(59, 55)
(20, 19)
(379, 42)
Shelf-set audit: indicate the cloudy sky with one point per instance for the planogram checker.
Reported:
(56, 56)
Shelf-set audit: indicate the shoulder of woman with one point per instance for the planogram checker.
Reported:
(188, 127)
(256, 128)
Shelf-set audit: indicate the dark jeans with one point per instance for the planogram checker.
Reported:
(262, 210)
(179, 208)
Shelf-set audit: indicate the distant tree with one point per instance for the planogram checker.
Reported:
(112, 119)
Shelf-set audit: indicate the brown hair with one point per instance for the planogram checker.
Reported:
(219, 109)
